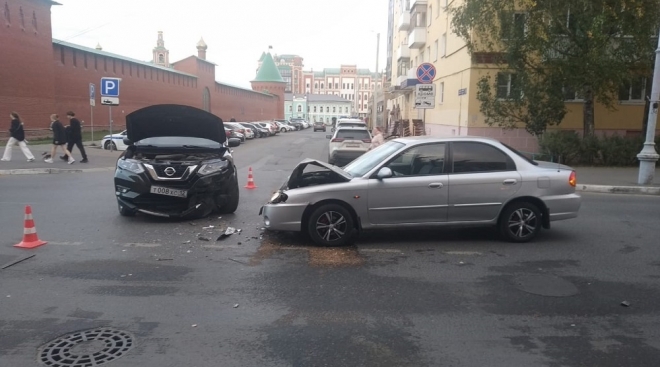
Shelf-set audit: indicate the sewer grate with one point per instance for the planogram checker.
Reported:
(86, 348)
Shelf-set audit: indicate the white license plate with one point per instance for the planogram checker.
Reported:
(169, 192)
(353, 145)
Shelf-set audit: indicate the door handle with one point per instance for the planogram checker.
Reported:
(435, 185)
(510, 181)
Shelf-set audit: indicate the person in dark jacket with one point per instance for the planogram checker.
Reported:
(59, 139)
(16, 137)
(74, 136)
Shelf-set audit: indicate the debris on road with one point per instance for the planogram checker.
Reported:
(228, 232)
(234, 260)
(209, 227)
(194, 325)
(236, 305)
(192, 224)
(625, 304)
(18, 261)
(164, 259)
(186, 242)
(202, 238)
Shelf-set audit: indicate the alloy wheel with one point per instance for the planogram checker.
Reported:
(331, 226)
(522, 223)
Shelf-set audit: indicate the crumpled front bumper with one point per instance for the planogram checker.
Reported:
(283, 216)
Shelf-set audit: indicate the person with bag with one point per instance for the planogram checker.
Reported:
(17, 137)
(59, 139)
(74, 137)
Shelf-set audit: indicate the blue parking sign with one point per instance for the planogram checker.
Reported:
(110, 87)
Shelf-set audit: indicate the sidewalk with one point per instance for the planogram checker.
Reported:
(616, 180)
(99, 160)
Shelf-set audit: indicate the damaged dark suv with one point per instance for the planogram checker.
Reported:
(177, 164)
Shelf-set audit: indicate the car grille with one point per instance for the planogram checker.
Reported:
(161, 203)
(177, 171)
(160, 170)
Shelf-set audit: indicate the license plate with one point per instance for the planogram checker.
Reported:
(169, 192)
(353, 145)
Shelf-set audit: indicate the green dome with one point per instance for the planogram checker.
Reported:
(268, 71)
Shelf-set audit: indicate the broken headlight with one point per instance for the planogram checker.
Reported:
(130, 165)
(278, 197)
(213, 167)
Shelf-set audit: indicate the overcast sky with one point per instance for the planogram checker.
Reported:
(326, 33)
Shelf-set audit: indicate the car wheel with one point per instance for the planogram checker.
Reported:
(124, 211)
(110, 145)
(520, 222)
(233, 197)
(331, 225)
(330, 160)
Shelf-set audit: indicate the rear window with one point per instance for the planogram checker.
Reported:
(352, 124)
(353, 134)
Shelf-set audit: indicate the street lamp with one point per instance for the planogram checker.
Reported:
(648, 156)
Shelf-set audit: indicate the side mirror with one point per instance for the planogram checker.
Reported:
(127, 141)
(233, 142)
(384, 172)
(328, 136)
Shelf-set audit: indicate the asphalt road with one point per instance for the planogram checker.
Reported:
(425, 298)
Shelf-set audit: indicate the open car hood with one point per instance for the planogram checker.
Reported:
(300, 168)
(174, 120)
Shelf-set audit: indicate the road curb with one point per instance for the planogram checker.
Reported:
(635, 190)
(46, 171)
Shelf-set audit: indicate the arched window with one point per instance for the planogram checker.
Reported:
(327, 109)
(206, 100)
(334, 109)
(6, 14)
(290, 108)
(161, 58)
(322, 86)
(314, 108)
(316, 85)
(299, 108)
(346, 109)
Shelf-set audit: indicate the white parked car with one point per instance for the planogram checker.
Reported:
(116, 143)
(306, 124)
(348, 143)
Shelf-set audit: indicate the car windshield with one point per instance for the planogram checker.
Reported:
(523, 156)
(372, 158)
(353, 134)
(178, 141)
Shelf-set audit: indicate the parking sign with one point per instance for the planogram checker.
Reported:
(110, 87)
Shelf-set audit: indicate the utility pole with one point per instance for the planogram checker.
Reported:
(648, 156)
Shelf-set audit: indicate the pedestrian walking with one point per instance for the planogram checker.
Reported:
(74, 137)
(59, 139)
(16, 137)
(377, 138)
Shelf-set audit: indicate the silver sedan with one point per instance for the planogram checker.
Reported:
(418, 182)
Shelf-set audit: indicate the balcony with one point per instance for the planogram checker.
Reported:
(416, 5)
(403, 52)
(404, 21)
(417, 37)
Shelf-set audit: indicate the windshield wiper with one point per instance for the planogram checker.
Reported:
(195, 147)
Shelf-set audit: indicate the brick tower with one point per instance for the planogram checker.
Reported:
(270, 81)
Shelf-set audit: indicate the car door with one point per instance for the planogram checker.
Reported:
(482, 179)
(417, 193)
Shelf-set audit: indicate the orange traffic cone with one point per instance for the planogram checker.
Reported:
(30, 238)
(250, 183)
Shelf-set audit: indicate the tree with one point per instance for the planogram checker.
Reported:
(557, 48)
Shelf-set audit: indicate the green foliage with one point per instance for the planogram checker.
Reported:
(569, 148)
(557, 48)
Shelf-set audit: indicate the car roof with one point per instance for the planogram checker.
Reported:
(349, 128)
(439, 139)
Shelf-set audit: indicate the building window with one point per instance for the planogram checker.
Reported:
(633, 90)
(428, 19)
(161, 58)
(316, 85)
(299, 108)
(336, 85)
(435, 50)
(334, 109)
(507, 86)
(443, 44)
(327, 109)
(513, 25)
(206, 100)
(322, 85)
(441, 93)
(346, 109)
(351, 85)
(314, 108)
(7, 15)
(290, 108)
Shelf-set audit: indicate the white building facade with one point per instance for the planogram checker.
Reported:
(316, 107)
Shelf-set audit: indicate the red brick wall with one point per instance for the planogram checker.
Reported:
(26, 71)
(39, 77)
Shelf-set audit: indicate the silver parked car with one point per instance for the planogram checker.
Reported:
(424, 182)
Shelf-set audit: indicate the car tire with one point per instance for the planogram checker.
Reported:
(233, 195)
(520, 222)
(124, 211)
(331, 225)
(109, 144)
(330, 160)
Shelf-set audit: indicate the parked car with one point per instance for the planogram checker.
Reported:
(295, 123)
(114, 143)
(249, 132)
(282, 127)
(177, 164)
(272, 128)
(319, 126)
(348, 143)
(238, 128)
(418, 182)
(306, 124)
(261, 132)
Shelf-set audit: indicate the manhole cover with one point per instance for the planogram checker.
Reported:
(546, 285)
(86, 348)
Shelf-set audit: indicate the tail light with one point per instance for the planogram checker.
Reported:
(337, 140)
(572, 179)
(366, 140)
